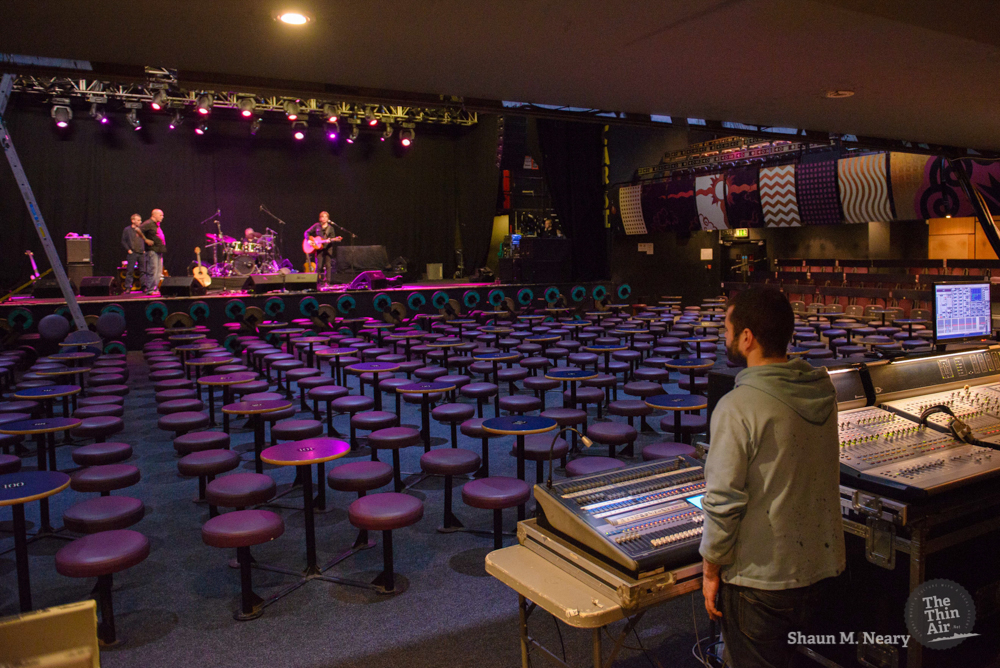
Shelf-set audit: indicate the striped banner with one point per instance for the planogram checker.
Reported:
(630, 203)
(743, 198)
(816, 189)
(906, 174)
(864, 188)
(710, 196)
(777, 196)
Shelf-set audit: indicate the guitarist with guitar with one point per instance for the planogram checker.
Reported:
(321, 239)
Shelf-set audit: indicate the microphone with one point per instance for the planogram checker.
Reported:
(583, 439)
(261, 207)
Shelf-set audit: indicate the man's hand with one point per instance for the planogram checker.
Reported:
(149, 242)
(338, 239)
(129, 251)
(710, 588)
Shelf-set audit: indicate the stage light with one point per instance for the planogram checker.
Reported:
(294, 18)
(299, 130)
(386, 133)
(292, 110)
(159, 100)
(62, 115)
(406, 136)
(354, 134)
(370, 117)
(176, 121)
(98, 114)
(254, 126)
(133, 120)
(204, 104)
(330, 112)
(332, 130)
(246, 106)
(201, 129)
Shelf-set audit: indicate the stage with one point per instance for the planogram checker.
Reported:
(217, 307)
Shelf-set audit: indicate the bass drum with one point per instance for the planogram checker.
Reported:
(244, 266)
(270, 267)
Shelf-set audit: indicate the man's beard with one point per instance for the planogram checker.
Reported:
(735, 356)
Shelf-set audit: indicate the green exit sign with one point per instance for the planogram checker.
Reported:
(740, 233)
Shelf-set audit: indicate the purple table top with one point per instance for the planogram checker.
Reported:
(253, 407)
(519, 424)
(677, 402)
(570, 374)
(46, 391)
(39, 425)
(373, 367)
(307, 451)
(425, 387)
(25, 486)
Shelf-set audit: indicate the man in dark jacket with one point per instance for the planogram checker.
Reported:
(134, 244)
(156, 246)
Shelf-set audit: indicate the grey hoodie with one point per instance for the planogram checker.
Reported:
(772, 502)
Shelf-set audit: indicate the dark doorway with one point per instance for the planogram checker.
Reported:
(740, 259)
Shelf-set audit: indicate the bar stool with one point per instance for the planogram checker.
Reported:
(453, 415)
(352, 404)
(98, 428)
(97, 454)
(385, 512)
(449, 462)
(239, 490)
(582, 466)
(372, 421)
(242, 529)
(474, 429)
(520, 404)
(537, 448)
(481, 392)
(666, 450)
(612, 434)
(205, 465)
(393, 439)
(361, 477)
(496, 494)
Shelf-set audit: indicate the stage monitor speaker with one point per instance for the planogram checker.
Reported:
(369, 280)
(47, 288)
(306, 281)
(261, 283)
(78, 250)
(97, 286)
(230, 282)
(79, 271)
(181, 286)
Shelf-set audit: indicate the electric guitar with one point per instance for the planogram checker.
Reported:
(34, 267)
(200, 272)
(311, 244)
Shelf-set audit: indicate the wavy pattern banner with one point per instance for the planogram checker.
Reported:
(777, 196)
(710, 197)
(743, 198)
(816, 188)
(906, 174)
(864, 188)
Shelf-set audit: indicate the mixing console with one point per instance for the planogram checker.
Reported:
(978, 407)
(895, 453)
(644, 517)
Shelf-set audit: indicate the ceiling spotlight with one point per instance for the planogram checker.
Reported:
(292, 110)
(133, 120)
(299, 130)
(386, 133)
(354, 134)
(330, 112)
(159, 100)
(293, 18)
(204, 104)
(246, 106)
(406, 136)
(62, 115)
(201, 129)
(98, 114)
(254, 126)
(332, 130)
(176, 121)
(370, 117)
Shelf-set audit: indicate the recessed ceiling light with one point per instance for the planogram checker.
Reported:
(294, 18)
(839, 94)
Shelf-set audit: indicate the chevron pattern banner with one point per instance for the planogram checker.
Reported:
(864, 188)
(906, 174)
(710, 196)
(630, 203)
(743, 198)
(816, 188)
(777, 196)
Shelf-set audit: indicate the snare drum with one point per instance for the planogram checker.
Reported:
(247, 248)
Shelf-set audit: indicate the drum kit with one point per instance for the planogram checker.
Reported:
(244, 257)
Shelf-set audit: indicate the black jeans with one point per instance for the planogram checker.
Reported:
(326, 263)
(756, 622)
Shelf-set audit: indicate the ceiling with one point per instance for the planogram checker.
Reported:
(922, 71)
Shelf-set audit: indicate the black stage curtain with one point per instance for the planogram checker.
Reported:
(90, 179)
(571, 163)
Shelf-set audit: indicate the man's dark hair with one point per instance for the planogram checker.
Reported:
(767, 314)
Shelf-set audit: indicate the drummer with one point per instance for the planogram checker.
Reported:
(249, 235)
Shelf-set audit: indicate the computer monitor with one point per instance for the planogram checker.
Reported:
(962, 311)
(515, 240)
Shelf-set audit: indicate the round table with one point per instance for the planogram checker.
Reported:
(287, 332)
(544, 340)
(797, 351)
(73, 358)
(43, 429)
(571, 376)
(425, 389)
(226, 381)
(678, 403)
(17, 489)
(310, 341)
(519, 426)
(379, 328)
(445, 344)
(496, 358)
(598, 315)
(374, 368)
(47, 395)
(574, 327)
(77, 373)
(496, 330)
(691, 365)
(333, 355)
(407, 338)
(185, 338)
(460, 323)
(534, 318)
(909, 323)
(607, 349)
(200, 363)
(189, 348)
(302, 455)
(254, 410)
(697, 341)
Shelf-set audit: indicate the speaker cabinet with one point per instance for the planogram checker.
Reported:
(97, 286)
(307, 281)
(48, 288)
(181, 286)
(261, 283)
(78, 272)
(78, 250)
(369, 280)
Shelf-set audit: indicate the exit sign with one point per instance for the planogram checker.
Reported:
(740, 233)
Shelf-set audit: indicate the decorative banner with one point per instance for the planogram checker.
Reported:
(654, 205)
(864, 190)
(906, 173)
(710, 195)
(743, 198)
(986, 177)
(816, 188)
(630, 204)
(682, 210)
(777, 196)
(940, 194)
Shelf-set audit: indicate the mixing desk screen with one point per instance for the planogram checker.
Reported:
(894, 453)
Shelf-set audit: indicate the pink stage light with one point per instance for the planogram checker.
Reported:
(332, 135)
(62, 124)
(299, 135)
(373, 122)
(405, 141)
(104, 120)
(246, 113)
(203, 111)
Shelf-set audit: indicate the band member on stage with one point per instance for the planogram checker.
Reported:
(548, 229)
(249, 235)
(134, 244)
(156, 246)
(326, 263)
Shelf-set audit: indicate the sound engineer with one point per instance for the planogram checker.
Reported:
(772, 536)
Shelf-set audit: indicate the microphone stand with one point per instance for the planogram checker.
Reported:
(215, 248)
(341, 227)
(583, 439)
(281, 241)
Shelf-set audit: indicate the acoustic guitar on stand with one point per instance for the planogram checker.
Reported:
(200, 272)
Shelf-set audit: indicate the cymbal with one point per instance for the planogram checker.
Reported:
(224, 239)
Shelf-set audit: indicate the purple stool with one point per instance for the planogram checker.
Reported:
(536, 449)
(9, 464)
(449, 462)
(361, 477)
(481, 392)
(205, 465)
(540, 385)
(238, 490)
(496, 494)
(592, 465)
(474, 428)
(98, 454)
(520, 404)
(393, 439)
(631, 409)
(372, 421)
(352, 404)
(666, 450)
(99, 428)
(101, 555)
(104, 478)
(385, 512)
(170, 395)
(179, 406)
(111, 399)
(327, 394)
(196, 441)
(612, 434)
(182, 423)
(241, 529)
(453, 415)
(107, 410)
(295, 430)
(104, 513)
